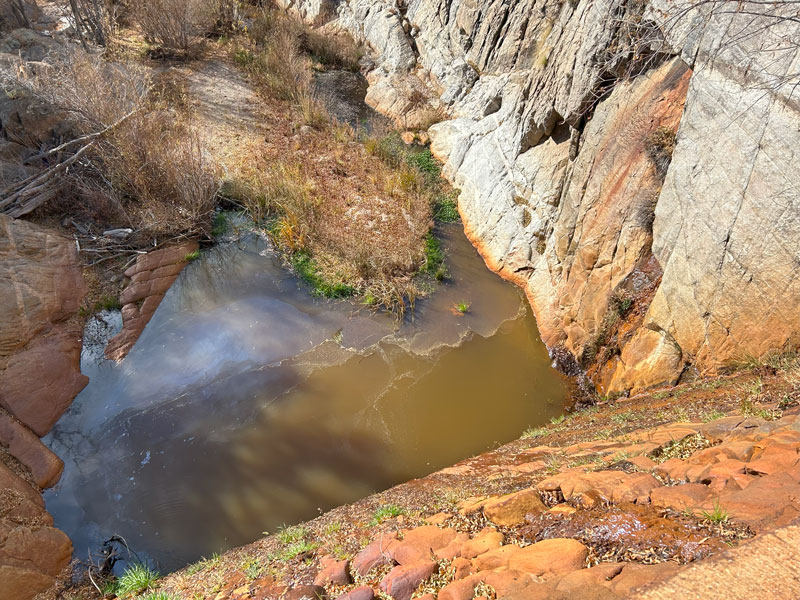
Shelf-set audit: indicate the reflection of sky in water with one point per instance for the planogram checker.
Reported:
(247, 404)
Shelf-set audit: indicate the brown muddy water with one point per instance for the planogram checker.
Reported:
(247, 404)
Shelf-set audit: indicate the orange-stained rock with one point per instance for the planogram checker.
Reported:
(774, 458)
(635, 488)
(471, 505)
(767, 502)
(25, 446)
(421, 543)
(550, 557)
(21, 503)
(599, 574)
(461, 568)
(673, 469)
(360, 593)
(333, 572)
(40, 283)
(438, 518)
(510, 510)
(378, 552)
(511, 581)
(20, 583)
(151, 276)
(680, 497)
(643, 463)
(40, 382)
(488, 539)
(598, 486)
(402, 581)
(546, 558)
(305, 592)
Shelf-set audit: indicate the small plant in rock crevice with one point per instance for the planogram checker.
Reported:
(717, 515)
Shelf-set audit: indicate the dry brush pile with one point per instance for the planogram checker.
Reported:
(131, 160)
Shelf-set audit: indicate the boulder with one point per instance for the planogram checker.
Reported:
(403, 580)
(488, 539)
(510, 510)
(680, 497)
(22, 444)
(422, 543)
(360, 593)
(30, 559)
(333, 572)
(375, 554)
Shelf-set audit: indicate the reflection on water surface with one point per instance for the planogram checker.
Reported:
(247, 404)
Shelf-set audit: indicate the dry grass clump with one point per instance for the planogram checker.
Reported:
(146, 169)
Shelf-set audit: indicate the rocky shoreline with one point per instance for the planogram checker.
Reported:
(609, 517)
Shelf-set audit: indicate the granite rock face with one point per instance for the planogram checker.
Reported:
(556, 150)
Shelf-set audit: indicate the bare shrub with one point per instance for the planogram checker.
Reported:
(138, 157)
(175, 24)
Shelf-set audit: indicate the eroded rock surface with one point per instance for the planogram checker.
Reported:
(557, 157)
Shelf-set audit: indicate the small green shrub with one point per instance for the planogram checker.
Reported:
(387, 511)
(203, 564)
(423, 161)
(463, 307)
(445, 208)
(711, 415)
(136, 579)
(534, 432)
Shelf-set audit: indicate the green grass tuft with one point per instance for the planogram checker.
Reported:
(445, 208)
(718, 515)
(194, 255)
(136, 579)
(387, 511)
